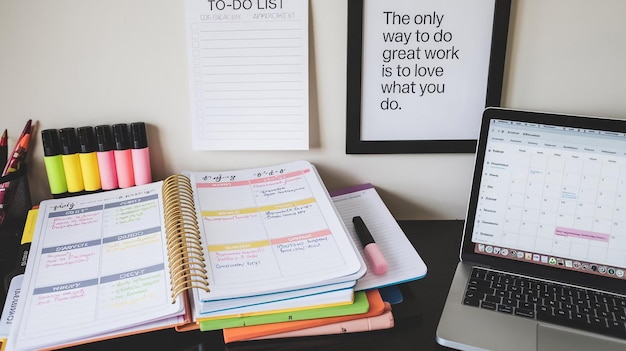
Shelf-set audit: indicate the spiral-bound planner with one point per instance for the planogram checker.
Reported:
(146, 257)
(113, 263)
(184, 247)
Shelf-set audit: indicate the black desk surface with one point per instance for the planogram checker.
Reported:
(416, 317)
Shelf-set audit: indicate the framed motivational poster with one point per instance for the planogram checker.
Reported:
(421, 72)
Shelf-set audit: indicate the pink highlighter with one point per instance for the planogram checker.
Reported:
(141, 153)
(106, 159)
(123, 157)
(372, 252)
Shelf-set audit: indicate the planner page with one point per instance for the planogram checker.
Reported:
(97, 264)
(271, 229)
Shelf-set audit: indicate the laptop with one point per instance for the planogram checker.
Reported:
(543, 254)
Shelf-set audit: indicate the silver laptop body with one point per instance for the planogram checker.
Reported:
(548, 201)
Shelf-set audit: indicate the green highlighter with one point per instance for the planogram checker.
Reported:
(53, 162)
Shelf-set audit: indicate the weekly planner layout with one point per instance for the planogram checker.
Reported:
(271, 229)
(97, 264)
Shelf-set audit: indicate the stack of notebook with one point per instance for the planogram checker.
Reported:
(404, 264)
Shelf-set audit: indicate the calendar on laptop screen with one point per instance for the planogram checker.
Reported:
(554, 195)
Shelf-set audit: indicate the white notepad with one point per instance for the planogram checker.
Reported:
(405, 264)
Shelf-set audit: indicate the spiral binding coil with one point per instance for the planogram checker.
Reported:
(184, 244)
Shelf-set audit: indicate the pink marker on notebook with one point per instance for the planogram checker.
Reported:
(372, 252)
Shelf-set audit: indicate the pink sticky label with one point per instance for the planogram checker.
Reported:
(583, 234)
(300, 237)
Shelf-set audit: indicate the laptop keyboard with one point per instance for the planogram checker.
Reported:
(560, 304)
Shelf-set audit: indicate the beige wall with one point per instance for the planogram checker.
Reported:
(59, 66)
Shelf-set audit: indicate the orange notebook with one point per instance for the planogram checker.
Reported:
(377, 307)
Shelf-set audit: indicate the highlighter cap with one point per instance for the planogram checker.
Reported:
(120, 135)
(51, 142)
(138, 135)
(104, 138)
(86, 139)
(69, 141)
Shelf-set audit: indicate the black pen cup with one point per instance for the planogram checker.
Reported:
(16, 204)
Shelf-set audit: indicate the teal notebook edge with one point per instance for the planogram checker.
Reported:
(360, 305)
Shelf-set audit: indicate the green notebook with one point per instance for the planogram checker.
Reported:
(360, 305)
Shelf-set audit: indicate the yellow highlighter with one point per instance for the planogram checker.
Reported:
(71, 160)
(88, 158)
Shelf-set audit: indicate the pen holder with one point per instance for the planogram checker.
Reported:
(17, 202)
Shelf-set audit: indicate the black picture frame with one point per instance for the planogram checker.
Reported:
(354, 142)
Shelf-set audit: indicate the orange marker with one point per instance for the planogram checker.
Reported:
(18, 154)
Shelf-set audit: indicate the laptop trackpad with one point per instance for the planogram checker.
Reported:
(554, 338)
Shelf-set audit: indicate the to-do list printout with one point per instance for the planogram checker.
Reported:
(248, 74)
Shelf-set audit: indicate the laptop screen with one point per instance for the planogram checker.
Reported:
(552, 194)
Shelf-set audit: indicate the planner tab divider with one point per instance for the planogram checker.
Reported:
(184, 243)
